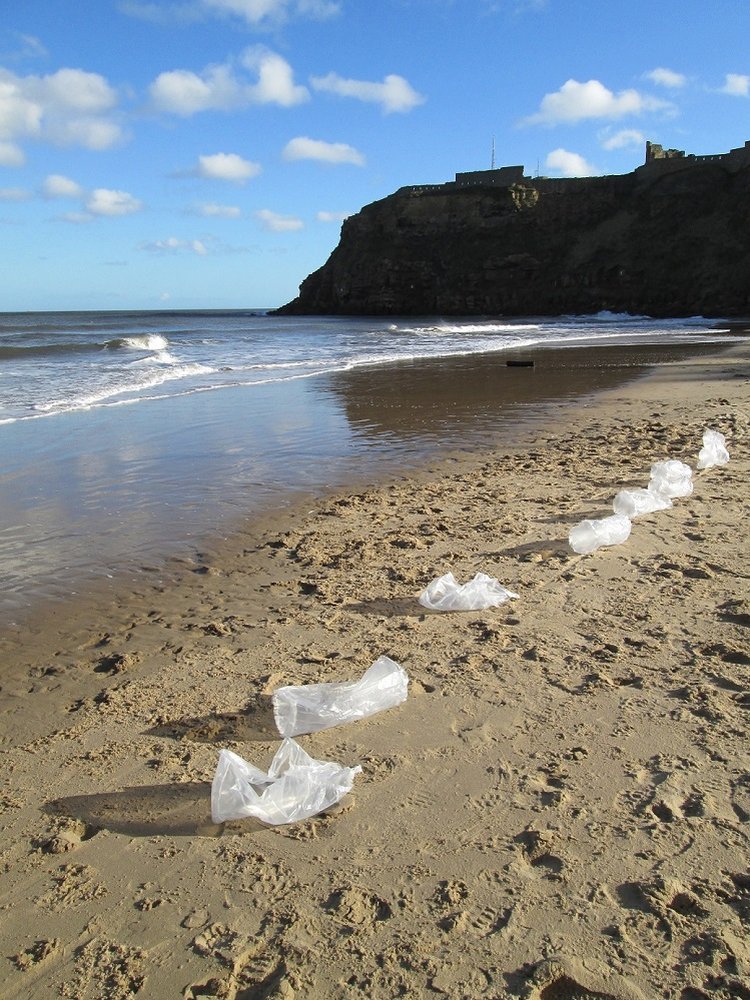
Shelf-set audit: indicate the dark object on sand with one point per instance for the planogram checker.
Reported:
(519, 363)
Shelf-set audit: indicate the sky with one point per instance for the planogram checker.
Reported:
(202, 154)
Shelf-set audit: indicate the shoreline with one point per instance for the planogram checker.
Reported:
(563, 797)
(96, 524)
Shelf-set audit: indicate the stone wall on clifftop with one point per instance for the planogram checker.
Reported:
(669, 239)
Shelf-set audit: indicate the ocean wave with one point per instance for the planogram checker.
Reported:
(18, 352)
(144, 342)
(15, 348)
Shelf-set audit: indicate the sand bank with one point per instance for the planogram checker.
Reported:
(560, 809)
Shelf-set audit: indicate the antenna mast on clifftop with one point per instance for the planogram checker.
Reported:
(492, 162)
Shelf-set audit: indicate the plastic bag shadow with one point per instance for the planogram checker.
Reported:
(178, 810)
(254, 724)
(389, 607)
(551, 548)
(572, 516)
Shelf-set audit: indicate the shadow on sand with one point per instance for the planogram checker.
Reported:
(254, 724)
(178, 810)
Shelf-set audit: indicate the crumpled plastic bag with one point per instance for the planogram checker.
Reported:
(446, 594)
(671, 478)
(587, 536)
(633, 503)
(296, 786)
(312, 707)
(714, 450)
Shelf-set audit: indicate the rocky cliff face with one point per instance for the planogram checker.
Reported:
(675, 244)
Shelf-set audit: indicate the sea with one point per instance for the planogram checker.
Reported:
(127, 438)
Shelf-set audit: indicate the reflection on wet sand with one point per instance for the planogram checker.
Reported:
(454, 399)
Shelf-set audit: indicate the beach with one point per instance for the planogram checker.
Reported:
(559, 810)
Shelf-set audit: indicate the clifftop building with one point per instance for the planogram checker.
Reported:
(658, 161)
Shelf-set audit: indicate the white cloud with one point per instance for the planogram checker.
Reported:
(11, 155)
(74, 90)
(275, 79)
(666, 78)
(331, 216)
(20, 116)
(92, 133)
(26, 47)
(575, 101)
(626, 138)
(569, 164)
(67, 107)
(278, 223)
(226, 167)
(32, 46)
(303, 148)
(14, 194)
(257, 13)
(183, 92)
(220, 88)
(212, 210)
(736, 84)
(174, 245)
(252, 11)
(393, 94)
(58, 186)
(319, 9)
(104, 201)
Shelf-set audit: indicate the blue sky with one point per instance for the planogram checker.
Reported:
(185, 154)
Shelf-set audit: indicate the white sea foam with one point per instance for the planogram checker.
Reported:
(147, 342)
(110, 392)
(160, 357)
(446, 329)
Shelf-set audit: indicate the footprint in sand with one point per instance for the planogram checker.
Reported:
(357, 907)
(741, 798)
(536, 851)
(569, 979)
(490, 921)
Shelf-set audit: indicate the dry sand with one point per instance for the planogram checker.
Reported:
(560, 810)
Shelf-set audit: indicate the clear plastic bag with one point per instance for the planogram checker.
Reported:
(295, 787)
(587, 536)
(446, 594)
(714, 450)
(312, 707)
(633, 503)
(671, 478)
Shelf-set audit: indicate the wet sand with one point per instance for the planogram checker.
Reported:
(560, 809)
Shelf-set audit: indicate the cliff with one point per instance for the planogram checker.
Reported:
(672, 238)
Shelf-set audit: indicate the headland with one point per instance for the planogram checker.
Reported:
(668, 239)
